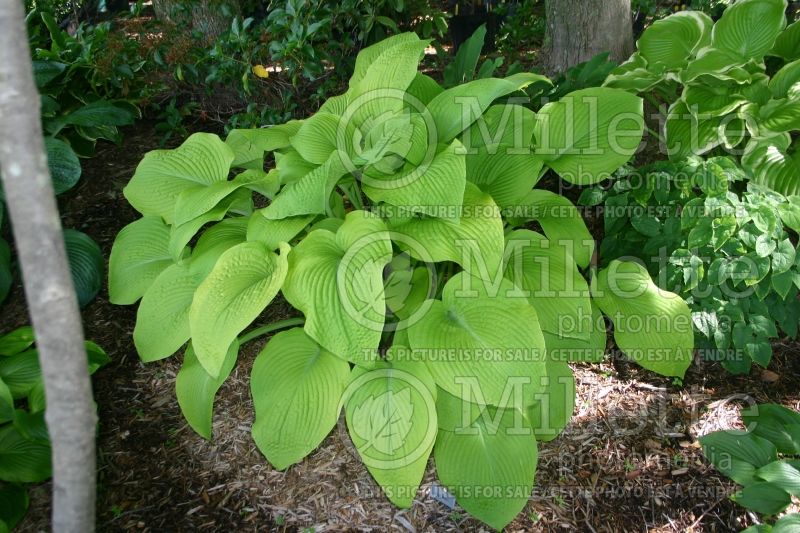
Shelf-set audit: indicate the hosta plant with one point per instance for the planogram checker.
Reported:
(728, 254)
(399, 221)
(720, 88)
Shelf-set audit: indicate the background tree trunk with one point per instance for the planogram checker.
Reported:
(577, 30)
(52, 304)
(210, 17)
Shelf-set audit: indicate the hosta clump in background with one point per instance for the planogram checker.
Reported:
(395, 225)
(728, 97)
(729, 255)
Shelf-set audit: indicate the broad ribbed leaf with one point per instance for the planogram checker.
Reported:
(780, 116)
(203, 159)
(505, 175)
(670, 42)
(552, 409)
(455, 109)
(196, 201)
(553, 284)
(85, 265)
(775, 423)
(475, 241)
(242, 283)
(22, 460)
(274, 232)
(65, 168)
(318, 138)
(16, 341)
(769, 161)
(735, 30)
(560, 220)
(370, 54)
(508, 125)
(787, 44)
(588, 134)
(490, 339)
(686, 135)
(786, 82)
(21, 372)
(498, 456)
(737, 454)
(391, 418)
(589, 350)
(651, 325)
(140, 253)
(249, 145)
(765, 498)
(782, 475)
(336, 280)
(309, 194)
(100, 113)
(297, 388)
(196, 389)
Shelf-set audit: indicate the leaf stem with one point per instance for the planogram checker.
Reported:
(269, 328)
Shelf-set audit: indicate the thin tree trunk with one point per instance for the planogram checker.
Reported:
(70, 415)
(577, 30)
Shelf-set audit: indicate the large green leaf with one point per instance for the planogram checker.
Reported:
(297, 388)
(569, 349)
(65, 168)
(140, 253)
(85, 265)
(474, 241)
(242, 283)
(197, 200)
(772, 162)
(274, 232)
(455, 109)
(16, 341)
(735, 30)
(687, 135)
(490, 335)
(786, 82)
(309, 194)
(787, 44)
(671, 41)
(249, 145)
(548, 274)
(13, 504)
(490, 467)
(765, 498)
(100, 113)
(505, 175)
(336, 280)
(203, 159)
(391, 418)
(22, 460)
(775, 423)
(318, 137)
(590, 133)
(737, 454)
(651, 325)
(781, 474)
(21, 372)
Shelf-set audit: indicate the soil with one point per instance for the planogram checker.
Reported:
(628, 461)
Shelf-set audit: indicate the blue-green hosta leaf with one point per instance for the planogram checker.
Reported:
(560, 220)
(242, 283)
(139, 254)
(391, 418)
(195, 389)
(435, 188)
(274, 232)
(590, 133)
(336, 281)
(85, 265)
(22, 460)
(737, 454)
(769, 161)
(786, 82)
(491, 335)
(475, 241)
(550, 278)
(651, 325)
(203, 159)
(787, 44)
(100, 113)
(65, 168)
(318, 138)
(505, 175)
(734, 31)
(297, 388)
(455, 109)
(497, 457)
(671, 41)
(309, 194)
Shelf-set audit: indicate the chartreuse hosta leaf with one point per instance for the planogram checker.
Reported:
(505, 175)
(391, 418)
(140, 253)
(481, 334)
(592, 349)
(297, 388)
(560, 220)
(551, 281)
(671, 41)
(336, 280)
(651, 325)
(196, 389)
(734, 31)
(243, 281)
(772, 162)
(274, 232)
(162, 321)
(474, 240)
(588, 134)
(489, 467)
(687, 135)
(202, 160)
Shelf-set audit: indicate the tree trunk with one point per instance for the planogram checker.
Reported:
(53, 307)
(577, 30)
(210, 17)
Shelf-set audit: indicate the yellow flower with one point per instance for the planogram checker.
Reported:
(260, 71)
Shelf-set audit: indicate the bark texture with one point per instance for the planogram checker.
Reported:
(577, 30)
(52, 304)
(206, 16)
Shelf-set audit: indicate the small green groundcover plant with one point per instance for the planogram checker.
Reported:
(764, 460)
(24, 442)
(733, 84)
(399, 220)
(728, 254)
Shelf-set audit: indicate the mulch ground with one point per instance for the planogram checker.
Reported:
(628, 461)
